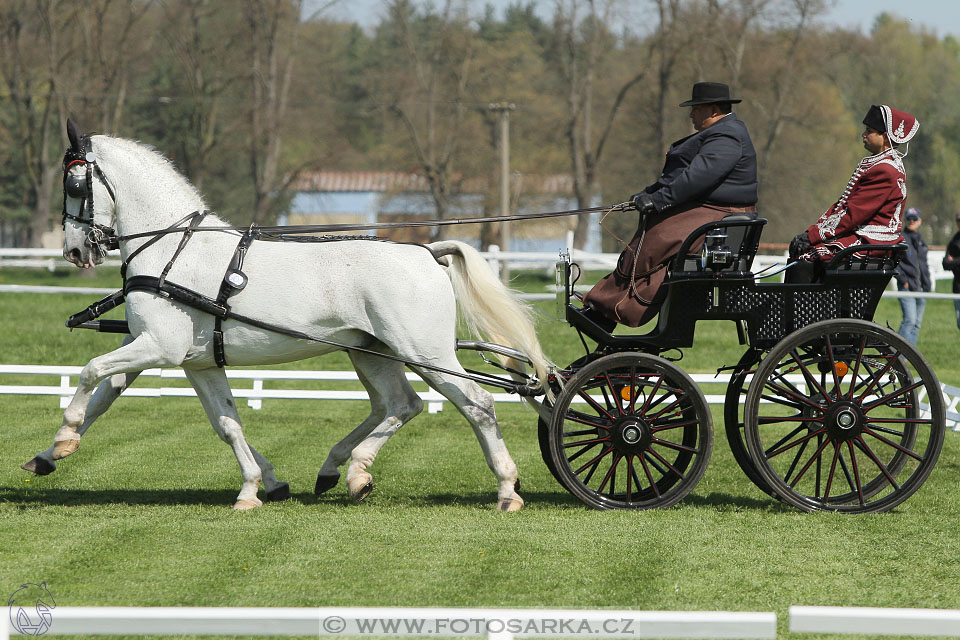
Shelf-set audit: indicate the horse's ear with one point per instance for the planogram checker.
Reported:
(73, 133)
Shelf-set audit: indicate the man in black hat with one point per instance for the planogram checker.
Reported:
(706, 176)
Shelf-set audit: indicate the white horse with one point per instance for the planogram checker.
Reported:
(370, 297)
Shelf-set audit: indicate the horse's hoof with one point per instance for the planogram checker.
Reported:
(360, 486)
(64, 448)
(245, 504)
(279, 493)
(39, 466)
(509, 504)
(325, 483)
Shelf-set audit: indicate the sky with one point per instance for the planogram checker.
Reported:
(940, 16)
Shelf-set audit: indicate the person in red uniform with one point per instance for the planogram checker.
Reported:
(870, 209)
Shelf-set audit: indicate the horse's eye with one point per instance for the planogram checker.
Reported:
(75, 186)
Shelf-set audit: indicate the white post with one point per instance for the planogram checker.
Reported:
(252, 402)
(493, 258)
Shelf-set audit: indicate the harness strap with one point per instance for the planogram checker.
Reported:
(194, 219)
(233, 282)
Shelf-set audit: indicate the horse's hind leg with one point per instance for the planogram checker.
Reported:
(214, 392)
(476, 405)
(393, 403)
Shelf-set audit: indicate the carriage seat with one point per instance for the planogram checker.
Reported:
(726, 249)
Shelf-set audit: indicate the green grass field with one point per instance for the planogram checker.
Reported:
(140, 515)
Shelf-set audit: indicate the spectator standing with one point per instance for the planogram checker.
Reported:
(951, 262)
(913, 275)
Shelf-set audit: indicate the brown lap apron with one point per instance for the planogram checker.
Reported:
(632, 294)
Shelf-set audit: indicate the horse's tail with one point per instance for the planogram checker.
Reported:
(490, 309)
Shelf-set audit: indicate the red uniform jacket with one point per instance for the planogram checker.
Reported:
(868, 212)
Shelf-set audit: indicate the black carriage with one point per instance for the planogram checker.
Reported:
(825, 410)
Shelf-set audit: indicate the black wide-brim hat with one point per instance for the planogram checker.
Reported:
(709, 93)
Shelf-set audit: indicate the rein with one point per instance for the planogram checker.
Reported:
(279, 232)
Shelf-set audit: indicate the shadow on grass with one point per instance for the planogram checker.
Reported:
(174, 497)
(33, 497)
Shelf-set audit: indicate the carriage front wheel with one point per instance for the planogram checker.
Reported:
(630, 431)
(834, 418)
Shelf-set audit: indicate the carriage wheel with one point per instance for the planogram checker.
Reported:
(842, 428)
(630, 431)
(733, 419)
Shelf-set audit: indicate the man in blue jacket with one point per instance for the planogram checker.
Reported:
(707, 175)
(913, 274)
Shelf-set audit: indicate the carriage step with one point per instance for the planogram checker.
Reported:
(476, 345)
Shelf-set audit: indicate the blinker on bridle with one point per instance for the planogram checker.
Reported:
(100, 237)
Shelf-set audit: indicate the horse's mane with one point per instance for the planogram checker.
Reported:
(153, 157)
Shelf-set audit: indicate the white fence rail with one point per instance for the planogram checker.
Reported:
(714, 387)
(871, 621)
(496, 624)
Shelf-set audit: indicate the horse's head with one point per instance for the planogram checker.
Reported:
(88, 203)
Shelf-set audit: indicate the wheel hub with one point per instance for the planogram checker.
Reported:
(844, 421)
(631, 434)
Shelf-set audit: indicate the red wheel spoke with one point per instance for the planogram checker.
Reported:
(593, 403)
(802, 398)
(674, 445)
(891, 396)
(581, 452)
(891, 443)
(863, 446)
(584, 442)
(665, 463)
(806, 467)
(796, 461)
(593, 462)
(772, 450)
(856, 367)
(611, 474)
(582, 432)
(877, 376)
(781, 401)
(673, 425)
(590, 421)
(808, 376)
(833, 468)
(630, 475)
(650, 396)
(777, 419)
(617, 398)
(856, 471)
(646, 470)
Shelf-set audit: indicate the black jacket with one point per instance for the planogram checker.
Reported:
(951, 260)
(717, 165)
(913, 270)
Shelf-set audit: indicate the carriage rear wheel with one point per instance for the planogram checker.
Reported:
(833, 418)
(630, 431)
(733, 418)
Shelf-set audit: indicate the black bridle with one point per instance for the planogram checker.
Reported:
(100, 237)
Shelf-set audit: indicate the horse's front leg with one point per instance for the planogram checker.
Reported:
(108, 391)
(215, 395)
(131, 358)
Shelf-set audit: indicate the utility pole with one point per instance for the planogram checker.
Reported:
(504, 109)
